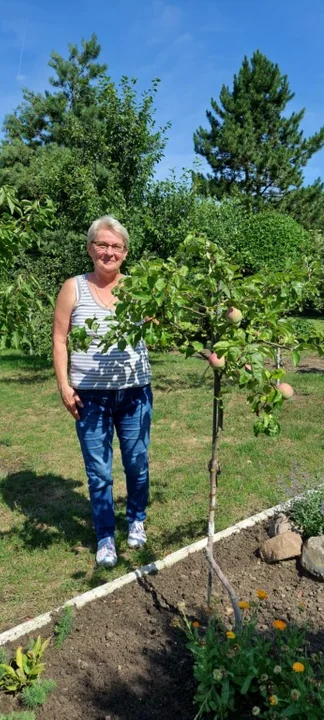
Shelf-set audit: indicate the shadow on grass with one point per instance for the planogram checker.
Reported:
(308, 370)
(27, 369)
(53, 510)
(52, 507)
(25, 362)
(184, 534)
(36, 378)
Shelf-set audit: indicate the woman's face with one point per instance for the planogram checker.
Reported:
(107, 251)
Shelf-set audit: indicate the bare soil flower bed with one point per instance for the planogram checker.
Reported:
(125, 659)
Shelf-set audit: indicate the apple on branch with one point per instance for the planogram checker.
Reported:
(215, 361)
(234, 315)
(286, 390)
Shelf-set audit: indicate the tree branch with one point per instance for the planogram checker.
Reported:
(227, 585)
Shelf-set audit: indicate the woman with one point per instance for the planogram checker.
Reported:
(104, 391)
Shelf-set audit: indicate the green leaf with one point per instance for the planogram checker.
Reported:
(10, 205)
(295, 357)
(290, 711)
(225, 692)
(8, 670)
(246, 685)
(160, 284)
(19, 658)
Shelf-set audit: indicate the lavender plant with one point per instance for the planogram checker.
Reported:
(307, 513)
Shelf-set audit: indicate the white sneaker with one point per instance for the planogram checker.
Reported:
(106, 554)
(136, 534)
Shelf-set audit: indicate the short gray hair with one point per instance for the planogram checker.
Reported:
(110, 223)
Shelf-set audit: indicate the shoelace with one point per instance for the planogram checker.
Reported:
(108, 545)
(137, 528)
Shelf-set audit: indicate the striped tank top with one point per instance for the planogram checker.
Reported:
(114, 369)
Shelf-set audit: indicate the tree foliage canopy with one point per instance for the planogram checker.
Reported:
(252, 146)
(185, 300)
(90, 144)
(92, 147)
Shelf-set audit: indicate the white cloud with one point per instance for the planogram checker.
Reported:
(164, 23)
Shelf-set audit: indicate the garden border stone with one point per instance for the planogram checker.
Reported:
(103, 590)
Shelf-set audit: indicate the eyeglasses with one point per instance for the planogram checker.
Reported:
(102, 247)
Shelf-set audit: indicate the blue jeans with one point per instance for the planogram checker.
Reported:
(129, 411)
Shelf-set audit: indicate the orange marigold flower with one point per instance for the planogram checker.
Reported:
(279, 625)
(262, 594)
(244, 605)
(273, 700)
(298, 667)
(195, 624)
(230, 635)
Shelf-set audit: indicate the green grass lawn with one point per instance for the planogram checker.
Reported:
(47, 542)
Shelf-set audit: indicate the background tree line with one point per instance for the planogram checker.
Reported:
(92, 147)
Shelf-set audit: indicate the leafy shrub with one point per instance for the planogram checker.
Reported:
(302, 326)
(270, 238)
(315, 301)
(307, 513)
(246, 674)
(37, 694)
(24, 668)
(172, 209)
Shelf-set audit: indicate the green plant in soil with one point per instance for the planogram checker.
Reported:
(38, 693)
(4, 658)
(25, 668)
(199, 302)
(64, 625)
(246, 674)
(307, 513)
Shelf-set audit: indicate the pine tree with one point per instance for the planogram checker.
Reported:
(252, 146)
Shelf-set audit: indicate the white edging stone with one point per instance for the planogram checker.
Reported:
(110, 587)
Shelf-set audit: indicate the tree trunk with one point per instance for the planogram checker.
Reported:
(214, 471)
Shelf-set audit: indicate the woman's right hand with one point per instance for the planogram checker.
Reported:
(71, 401)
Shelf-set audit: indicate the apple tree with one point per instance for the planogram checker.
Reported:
(199, 302)
(21, 222)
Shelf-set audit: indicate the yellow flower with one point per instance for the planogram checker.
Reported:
(298, 667)
(279, 625)
(195, 624)
(273, 700)
(262, 594)
(230, 635)
(244, 605)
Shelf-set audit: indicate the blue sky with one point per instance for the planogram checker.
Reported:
(193, 46)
